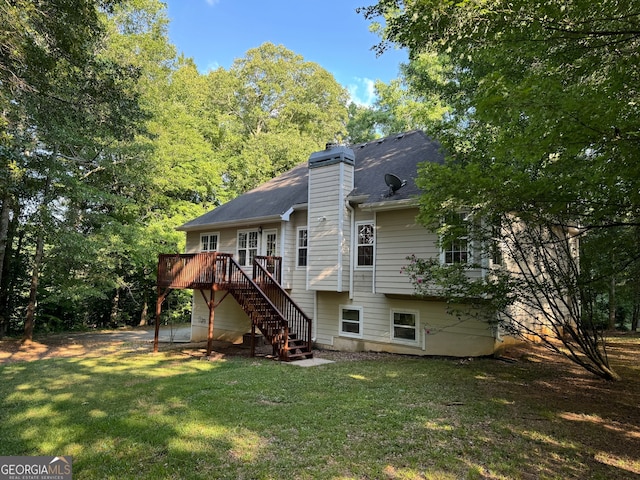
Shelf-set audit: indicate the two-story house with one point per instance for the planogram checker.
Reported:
(342, 226)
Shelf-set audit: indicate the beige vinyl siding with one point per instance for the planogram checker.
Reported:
(362, 277)
(328, 226)
(327, 316)
(293, 276)
(289, 253)
(439, 333)
(230, 321)
(398, 236)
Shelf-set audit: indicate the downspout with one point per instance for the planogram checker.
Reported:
(375, 251)
(351, 249)
(340, 230)
(283, 265)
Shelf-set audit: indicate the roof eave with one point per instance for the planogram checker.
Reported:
(390, 205)
(244, 222)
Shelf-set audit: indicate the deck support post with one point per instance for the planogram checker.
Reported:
(161, 297)
(253, 339)
(212, 305)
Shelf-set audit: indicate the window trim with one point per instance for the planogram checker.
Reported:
(360, 311)
(298, 247)
(358, 245)
(392, 324)
(469, 250)
(210, 234)
(263, 249)
(257, 248)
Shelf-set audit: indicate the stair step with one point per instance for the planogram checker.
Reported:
(299, 356)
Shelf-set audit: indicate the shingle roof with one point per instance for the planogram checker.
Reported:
(397, 154)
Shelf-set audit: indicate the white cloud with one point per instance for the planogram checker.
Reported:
(362, 91)
(212, 2)
(213, 65)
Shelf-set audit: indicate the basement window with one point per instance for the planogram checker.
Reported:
(405, 325)
(351, 321)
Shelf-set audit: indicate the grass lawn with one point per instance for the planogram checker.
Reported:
(170, 415)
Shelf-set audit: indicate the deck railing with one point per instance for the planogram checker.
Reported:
(193, 270)
(267, 304)
(271, 264)
(298, 322)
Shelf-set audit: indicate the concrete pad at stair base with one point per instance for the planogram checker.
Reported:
(310, 362)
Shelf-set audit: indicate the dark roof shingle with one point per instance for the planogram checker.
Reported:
(397, 154)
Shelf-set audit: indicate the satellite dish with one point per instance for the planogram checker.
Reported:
(394, 183)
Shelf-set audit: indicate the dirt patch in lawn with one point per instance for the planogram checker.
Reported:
(100, 343)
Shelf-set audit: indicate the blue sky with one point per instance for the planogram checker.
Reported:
(329, 32)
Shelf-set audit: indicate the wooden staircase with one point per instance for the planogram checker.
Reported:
(271, 310)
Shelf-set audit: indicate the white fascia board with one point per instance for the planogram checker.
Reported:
(245, 222)
(389, 205)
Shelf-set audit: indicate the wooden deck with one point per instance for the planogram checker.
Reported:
(270, 308)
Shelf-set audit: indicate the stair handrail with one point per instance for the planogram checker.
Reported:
(272, 261)
(234, 265)
(267, 283)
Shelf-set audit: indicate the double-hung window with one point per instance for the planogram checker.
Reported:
(351, 321)
(247, 246)
(405, 326)
(301, 247)
(208, 242)
(456, 246)
(365, 236)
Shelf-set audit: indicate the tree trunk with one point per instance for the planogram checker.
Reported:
(635, 316)
(7, 202)
(4, 230)
(29, 320)
(145, 311)
(113, 316)
(612, 304)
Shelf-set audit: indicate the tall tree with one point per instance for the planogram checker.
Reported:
(64, 103)
(277, 108)
(401, 105)
(543, 122)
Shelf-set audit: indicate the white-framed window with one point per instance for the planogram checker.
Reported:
(270, 243)
(302, 247)
(405, 326)
(365, 237)
(457, 249)
(497, 247)
(351, 321)
(209, 242)
(247, 246)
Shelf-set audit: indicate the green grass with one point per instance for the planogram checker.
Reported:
(172, 416)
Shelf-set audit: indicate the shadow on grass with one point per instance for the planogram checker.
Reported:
(171, 416)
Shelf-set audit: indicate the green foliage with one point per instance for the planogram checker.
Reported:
(402, 105)
(275, 109)
(108, 142)
(543, 126)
